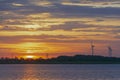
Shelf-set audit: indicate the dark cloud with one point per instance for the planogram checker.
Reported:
(68, 26)
(40, 38)
(88, 11)
(67, 10)
(13, 28)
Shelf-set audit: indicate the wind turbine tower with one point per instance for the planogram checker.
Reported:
(92, 48)
(110, 51)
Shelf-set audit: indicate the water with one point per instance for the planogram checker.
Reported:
(60, 72)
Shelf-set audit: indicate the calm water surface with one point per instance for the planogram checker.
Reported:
(60, 72)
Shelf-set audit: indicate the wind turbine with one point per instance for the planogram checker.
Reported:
(110, 51)
(92, 48)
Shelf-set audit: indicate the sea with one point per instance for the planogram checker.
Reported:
(59, 71)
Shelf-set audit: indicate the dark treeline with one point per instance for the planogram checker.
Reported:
(77, 59)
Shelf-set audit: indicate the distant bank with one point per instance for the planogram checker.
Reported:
(77, 59)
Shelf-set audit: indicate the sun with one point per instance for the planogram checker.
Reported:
(29, 57)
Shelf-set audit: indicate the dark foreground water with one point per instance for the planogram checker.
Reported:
(60, 72)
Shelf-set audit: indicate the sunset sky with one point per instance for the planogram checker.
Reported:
(59, 27)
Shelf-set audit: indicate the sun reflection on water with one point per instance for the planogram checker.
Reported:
(30, 73)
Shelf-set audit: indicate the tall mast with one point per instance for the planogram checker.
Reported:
(110, 51)
(92, 48)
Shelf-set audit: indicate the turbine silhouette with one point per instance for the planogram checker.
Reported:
(92, 48)
(110, 51)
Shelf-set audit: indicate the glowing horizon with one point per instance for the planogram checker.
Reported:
(59, 27)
